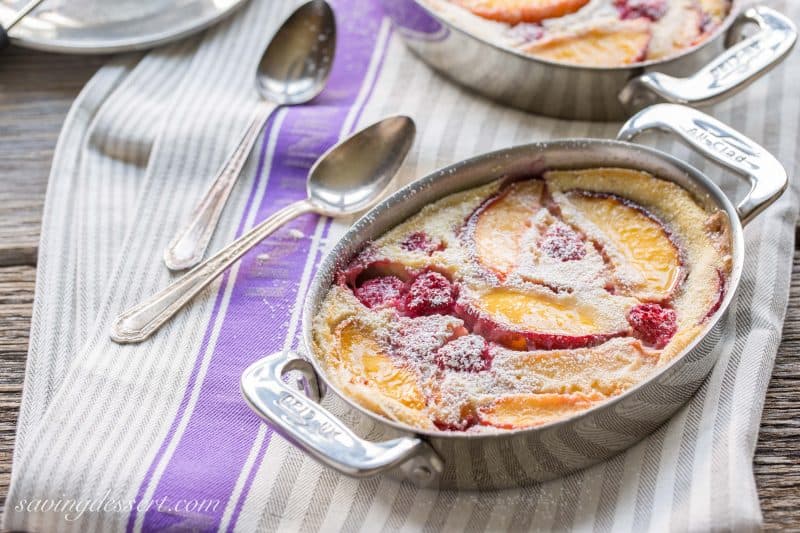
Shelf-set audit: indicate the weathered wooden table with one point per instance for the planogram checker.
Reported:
(36, 90)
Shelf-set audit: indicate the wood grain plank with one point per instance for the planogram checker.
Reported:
(16, 302)
(36, 91)
(777, 459)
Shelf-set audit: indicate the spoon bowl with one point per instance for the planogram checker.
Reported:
(293, 70)
(296, 63)
(348, 178)
(352, 176)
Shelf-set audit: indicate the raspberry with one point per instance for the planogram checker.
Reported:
(419, 241)
(653, 324)
(381, 292)
(418, 339)
(562, 243)
(429, 294)
(634, 9)
(469, 353)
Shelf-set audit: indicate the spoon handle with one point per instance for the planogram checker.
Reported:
(141, 321)
(189, 245)
(22, 13)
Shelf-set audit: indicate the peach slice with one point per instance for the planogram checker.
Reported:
(516, 11)
(721, 289)
(716, 10)
(608, 369)
(362, 357)
(612, 46)
(689, 24)
(451, 402)
(527, 410)
(498, 225)
(536, 320)
(641, 241)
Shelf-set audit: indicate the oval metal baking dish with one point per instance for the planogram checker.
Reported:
(715, 69)
(523, 456)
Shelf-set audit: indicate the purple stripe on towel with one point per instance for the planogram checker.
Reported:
(251, 475)
(221, 429)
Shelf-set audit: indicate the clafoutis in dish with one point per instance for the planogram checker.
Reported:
(513, 305)
(593, 33)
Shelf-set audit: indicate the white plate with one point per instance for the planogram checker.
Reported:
(107, 26)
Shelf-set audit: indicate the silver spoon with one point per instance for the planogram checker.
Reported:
(347, 179)
(293, 70)
(18, 16)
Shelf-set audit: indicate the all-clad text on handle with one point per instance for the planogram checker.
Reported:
(742, 63)
(306, 424)
(722, 144)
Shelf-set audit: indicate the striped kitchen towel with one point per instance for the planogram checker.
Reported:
(156, 437)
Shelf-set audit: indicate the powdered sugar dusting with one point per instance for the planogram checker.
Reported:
(563, 261)
(672, 25)
(469, 353)
(416, 340)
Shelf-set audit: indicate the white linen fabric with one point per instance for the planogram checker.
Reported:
(103, 422)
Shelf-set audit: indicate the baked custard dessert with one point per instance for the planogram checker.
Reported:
(516, 304)
(600, 33)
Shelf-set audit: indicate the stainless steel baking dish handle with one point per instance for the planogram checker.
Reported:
(742, 63)
(301, 420)
(720, 143)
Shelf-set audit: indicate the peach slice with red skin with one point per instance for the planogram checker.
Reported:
(715, 10)
(497, 227)
(622, 44)
(520, 411)
(693, 28)
(722, 285)
(609, 369)
(363, 358)
(689, 23)
(516, 11)
(533, 321)
(643, 243)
